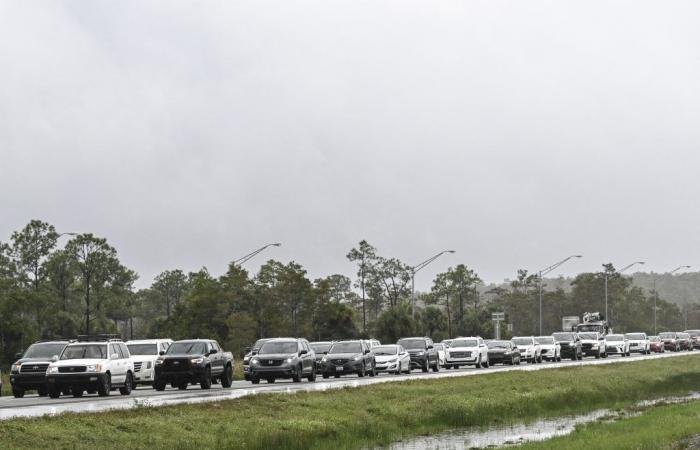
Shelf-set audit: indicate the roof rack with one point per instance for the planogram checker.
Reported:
(98, 337)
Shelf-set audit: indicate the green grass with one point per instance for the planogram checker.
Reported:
(366, 416)
(6, 387)
(662, 427)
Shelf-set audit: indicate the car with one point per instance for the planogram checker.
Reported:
(694, 337)
(684, 341)
(638, 342)
(28, 372)
(144, 353)
(530, 350)
(467, 351)
(423, 353)
(670, 340)
(392, 359)
(440, 349)
(550, 349)
(320, 348)
(99, 363)
(285, 358)
(617, 344)
(193, 361)
(656, 345)
(249, 353)
(569, 345)
(593, 344)
(503, 352)
(353, 357)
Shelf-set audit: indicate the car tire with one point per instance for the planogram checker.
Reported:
(518, 362)
(337, 376)
(312, 376)
(54, 392)
(486, 364)
(205, 380)
(478, 363)
(158, 385)
(361, 373)
(17, 392)
(128, 383)
(373, 372)
(183, 386)
(104, 389)
(436, 367)
(270, 380)
(325, 376)
(255, 380)
(227, 377)
(297, 375)
(426, 367)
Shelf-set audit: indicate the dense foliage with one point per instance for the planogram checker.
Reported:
(48, 290)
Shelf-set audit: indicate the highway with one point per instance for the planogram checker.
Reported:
(33, 406)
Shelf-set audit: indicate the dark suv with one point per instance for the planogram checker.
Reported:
(193, 361)
(29, 371)
(423, 355)
(283, 358)
(250, 352)
(569, 344)
(348, 358)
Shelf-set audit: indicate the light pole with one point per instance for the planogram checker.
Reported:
(656, 294)
(545, 271)
(606, 285)
(250, 255)
(415, 269)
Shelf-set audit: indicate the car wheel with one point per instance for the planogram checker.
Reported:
(426, 367)
(182, 386)
(337, 376)
(158, 385)
(325, 376)
(105, 387)
(518, 362)
(297, 375)
(126, 389)
(436, 367)
(227, 377)
(373, 372)
(361, 373)
(205, 381)
(312, 376)
(486, 364)
(270, 380)
(18, 392)
(54, 392)
(478, 363)
(255, 380)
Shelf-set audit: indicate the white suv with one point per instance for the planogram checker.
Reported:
(530, 350)
(467, 351)
(144, 353)
(639, 342)
(93, 364)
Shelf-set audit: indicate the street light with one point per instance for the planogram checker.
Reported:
(415, 269)
(250, 255)
(606, 285)
(656, 294)
(545, 271)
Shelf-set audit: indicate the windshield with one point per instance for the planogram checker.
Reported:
(143, 349)
(88, 351)
(346, 347)
(464, 343)
(614, 338)
(565, 337)
(44, 350)
(693, 333)
(545, 340)
(259, 343)
(186, 348)
(498, 344)
(386, 350)
(413, 344)
(522, 341)
(321, 348)
(590, 327)
(636, 336)
(589, 336)
(271, 348)
(667, 335)
(655, 339)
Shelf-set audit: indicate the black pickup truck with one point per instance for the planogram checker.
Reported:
(195, 361)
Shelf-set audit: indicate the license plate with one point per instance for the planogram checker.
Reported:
(339, 368)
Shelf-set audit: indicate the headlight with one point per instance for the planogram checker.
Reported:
(421, 353)
(392, 361)
(148, 365)
(16, 367)
(254, 361)
(357, 358)
(324, 359)
(159, 362)
(52, 369)
(594, 346)
(289, 360)
(197, 360)
(246, 360)
(94, 368)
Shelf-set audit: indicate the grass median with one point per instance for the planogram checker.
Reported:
(363, 417)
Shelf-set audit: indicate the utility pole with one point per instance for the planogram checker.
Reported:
(619, 272)
(415, 269)
(545, 271)
(656, 293)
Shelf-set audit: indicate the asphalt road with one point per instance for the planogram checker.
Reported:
(33, 405)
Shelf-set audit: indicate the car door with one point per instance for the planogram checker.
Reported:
(306, 358)
(117, 369)
(217, 359)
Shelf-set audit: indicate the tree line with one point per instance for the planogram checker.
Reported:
(49, 290)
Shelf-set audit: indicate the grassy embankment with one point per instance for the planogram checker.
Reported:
(6, 388)
(662, 427)
(366, 416)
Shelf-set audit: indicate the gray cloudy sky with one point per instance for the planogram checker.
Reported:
(517, 133)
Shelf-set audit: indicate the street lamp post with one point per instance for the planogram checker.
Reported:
(606, 285)
(656, 294)
(415, 269)
(244, 259)
(545, 271)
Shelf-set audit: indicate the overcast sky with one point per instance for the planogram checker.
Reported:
(516, 133)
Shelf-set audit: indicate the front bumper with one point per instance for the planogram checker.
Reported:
(615, 351)
(86, 379)
(350, 367)
(671, 345)
(418, 362)
(286, 371)
(192, 374)
(386, 366)
(28, 380)
(500, 358)
(638, 348)
(567, 351)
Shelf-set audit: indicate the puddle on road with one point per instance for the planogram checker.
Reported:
(515, 434)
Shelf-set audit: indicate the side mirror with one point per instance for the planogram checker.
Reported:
(246, 350)
(303, 352)
(161, 353)
(213, 351)
(429, 347)
(54, 358)
(366, 352)
(325, 353)
(113, 356)
(18, 355)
